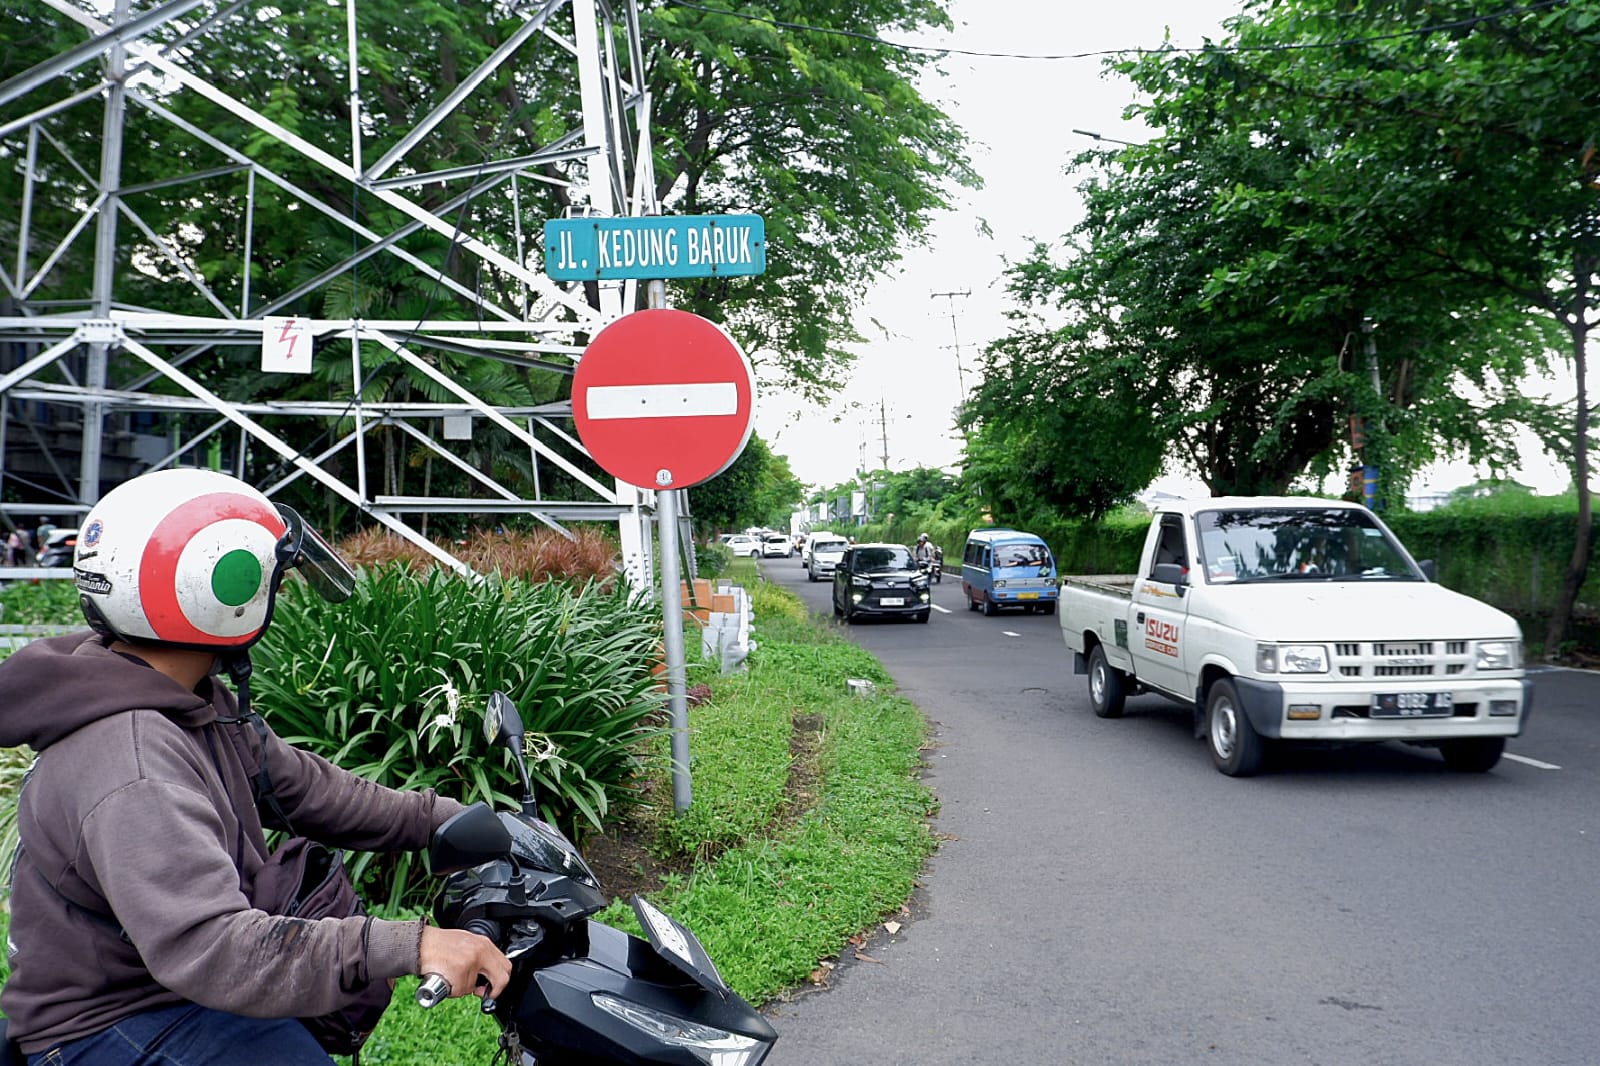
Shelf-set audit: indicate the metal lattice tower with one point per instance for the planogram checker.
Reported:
(104, 362)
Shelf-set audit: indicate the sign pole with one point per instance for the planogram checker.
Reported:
(672, 609)
(661, 397)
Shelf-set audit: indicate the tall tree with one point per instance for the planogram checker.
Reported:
(1459, 159)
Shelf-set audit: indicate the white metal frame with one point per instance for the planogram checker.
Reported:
(606, 163)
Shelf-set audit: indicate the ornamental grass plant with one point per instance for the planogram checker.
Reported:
(391, 685)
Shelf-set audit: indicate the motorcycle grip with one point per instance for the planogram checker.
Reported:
(433, 990)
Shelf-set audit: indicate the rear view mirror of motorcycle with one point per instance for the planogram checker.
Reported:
(468, 838)
(502, 724)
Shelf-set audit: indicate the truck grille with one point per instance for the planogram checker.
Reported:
(1413, 658)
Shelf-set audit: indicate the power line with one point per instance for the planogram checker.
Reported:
(1457, 24)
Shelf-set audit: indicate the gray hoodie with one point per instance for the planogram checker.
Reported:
(139, 812)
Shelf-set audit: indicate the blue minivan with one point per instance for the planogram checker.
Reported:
(1008, 568)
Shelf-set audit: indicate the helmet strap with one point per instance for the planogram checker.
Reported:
(238, 666)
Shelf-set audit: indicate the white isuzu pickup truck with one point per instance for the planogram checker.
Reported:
(1297, 619)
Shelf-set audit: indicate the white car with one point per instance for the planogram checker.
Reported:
(740, 544)
(823, 552)
(776, 544)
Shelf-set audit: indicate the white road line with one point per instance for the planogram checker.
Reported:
(662, 401)
(941, 610)
(1531, 762)
(1007, 632)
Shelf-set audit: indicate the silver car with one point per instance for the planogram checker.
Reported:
(823, 553)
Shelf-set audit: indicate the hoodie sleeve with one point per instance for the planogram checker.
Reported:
(160, 850)
(339, 808)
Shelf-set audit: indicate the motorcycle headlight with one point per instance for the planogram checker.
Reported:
(1499, 654)
(712, 1046)
(1291, 658)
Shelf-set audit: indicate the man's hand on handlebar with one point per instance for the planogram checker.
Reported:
(464, 960)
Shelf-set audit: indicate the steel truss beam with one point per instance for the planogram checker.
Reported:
(95, 361)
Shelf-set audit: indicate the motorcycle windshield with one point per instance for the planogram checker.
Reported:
(678, 946)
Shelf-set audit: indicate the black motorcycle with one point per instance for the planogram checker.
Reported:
(580, 992)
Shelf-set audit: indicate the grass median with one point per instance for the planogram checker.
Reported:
(809, 822)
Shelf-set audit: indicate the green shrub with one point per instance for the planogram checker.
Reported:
(711, 560)
(39, 603)
(390, 685)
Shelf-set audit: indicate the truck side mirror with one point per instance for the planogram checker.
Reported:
(1428, 569)
(1169, 574)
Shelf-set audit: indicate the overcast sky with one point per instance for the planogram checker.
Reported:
(1020, 112)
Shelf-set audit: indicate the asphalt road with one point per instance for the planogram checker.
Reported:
(1105, 896)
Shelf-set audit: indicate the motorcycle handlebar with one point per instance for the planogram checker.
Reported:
(433, 990)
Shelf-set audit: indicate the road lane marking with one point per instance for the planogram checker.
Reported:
(1532, 762)
(1008, 633)
(941, 610)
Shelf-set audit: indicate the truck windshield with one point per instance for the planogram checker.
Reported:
(1281, 544)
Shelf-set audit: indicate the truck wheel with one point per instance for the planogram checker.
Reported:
(1472, 755)
(989, 609)
(1048, 608)
(1236, 748)
(1107, 692)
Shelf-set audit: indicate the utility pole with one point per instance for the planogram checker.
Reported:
(951, 296)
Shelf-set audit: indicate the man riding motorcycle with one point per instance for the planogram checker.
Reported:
(134, 936)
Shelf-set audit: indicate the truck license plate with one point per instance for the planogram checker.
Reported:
(1412, 705)
(1027, 595)
(892, 601)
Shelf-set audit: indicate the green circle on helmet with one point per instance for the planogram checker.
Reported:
(236, 578)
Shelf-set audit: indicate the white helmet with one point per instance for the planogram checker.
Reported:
(194, 558)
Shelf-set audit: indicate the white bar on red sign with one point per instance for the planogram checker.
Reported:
(663, 401)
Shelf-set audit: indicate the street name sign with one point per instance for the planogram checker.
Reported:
(663, 399)
(654, 246)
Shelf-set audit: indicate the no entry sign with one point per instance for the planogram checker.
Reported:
(662, 399)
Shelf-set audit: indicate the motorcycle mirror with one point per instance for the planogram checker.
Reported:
(468, 838)
(502, 724)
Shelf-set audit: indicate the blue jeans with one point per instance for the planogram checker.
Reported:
(190, 1035)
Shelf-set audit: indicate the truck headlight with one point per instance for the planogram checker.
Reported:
(1292, 658)
(1499, 654)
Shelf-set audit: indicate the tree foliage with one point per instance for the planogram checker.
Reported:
(795, 111)
(1455, 178)
(757, 489)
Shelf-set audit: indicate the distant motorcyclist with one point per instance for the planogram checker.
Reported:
(923, 552)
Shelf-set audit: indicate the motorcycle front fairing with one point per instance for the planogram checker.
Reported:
(623, 1000)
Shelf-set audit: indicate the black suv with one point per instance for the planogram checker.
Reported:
(880, 579)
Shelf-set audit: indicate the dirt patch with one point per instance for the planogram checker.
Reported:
(622, 857)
